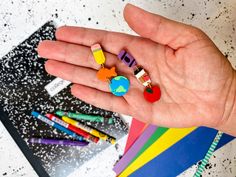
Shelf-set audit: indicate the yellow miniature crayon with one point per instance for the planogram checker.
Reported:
(92, 131)
(98, 54)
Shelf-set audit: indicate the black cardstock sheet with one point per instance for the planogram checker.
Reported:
(22, 82)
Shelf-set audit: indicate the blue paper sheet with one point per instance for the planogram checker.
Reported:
(182, 155)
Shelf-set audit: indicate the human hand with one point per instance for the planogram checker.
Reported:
(197, 82)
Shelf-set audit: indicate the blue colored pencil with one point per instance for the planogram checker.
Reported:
(57, 126)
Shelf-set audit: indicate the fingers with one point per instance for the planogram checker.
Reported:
(75, 74)
(73, 54)
(101, 99)
(66, 52)
(160, 29)
(112, 42)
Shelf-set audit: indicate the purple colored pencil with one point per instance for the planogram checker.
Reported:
(57, 142)
(131, 153)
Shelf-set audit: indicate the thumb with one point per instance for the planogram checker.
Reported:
(160, 29)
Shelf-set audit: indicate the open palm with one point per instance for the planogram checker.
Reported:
(194, 77)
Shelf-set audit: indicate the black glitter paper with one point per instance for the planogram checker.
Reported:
(22, 82)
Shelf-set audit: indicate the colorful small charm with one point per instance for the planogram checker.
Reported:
(142, 76)
(151, 93)
(127, 58)
(98, 54)
(119, 85)
(104, 74)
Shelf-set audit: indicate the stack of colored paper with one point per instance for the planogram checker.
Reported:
(159, 151)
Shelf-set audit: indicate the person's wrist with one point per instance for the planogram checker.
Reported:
(229, 122)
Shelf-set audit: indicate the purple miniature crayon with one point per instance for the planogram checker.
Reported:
(57, 142)
(126, 58)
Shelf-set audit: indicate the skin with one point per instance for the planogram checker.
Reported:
(197, 82)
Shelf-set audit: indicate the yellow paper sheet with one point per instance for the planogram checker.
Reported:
(172, 136)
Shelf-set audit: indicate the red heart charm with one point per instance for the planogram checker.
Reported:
(152, 94)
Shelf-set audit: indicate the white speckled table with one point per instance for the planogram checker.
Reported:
(21, 18)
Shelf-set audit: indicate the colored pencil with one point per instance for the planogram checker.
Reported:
(55, 125)
(92, 131)
(57, 142)
(79, 131)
